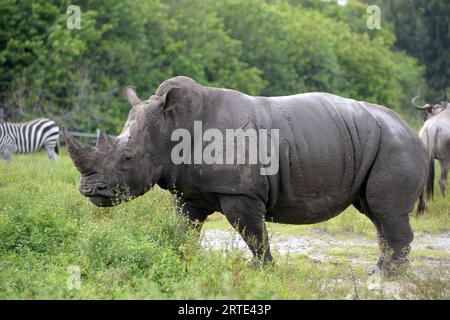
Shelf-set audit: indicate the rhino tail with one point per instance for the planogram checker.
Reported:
(421, 206)
(428, 191)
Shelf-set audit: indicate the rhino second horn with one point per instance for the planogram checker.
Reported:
(103, 141)
(129, 92)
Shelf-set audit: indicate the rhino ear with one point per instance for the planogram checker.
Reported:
(171, 99)
(129, 92)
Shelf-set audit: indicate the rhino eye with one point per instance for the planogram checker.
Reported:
(128, 157)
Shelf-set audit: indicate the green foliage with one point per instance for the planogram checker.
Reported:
(45, 220)
(422, 30)
(259, 47)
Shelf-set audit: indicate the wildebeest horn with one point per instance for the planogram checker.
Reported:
(103, 141)
(79, 152)
(129, 92)
(424, 107)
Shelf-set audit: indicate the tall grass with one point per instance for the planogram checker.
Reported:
(138, 249)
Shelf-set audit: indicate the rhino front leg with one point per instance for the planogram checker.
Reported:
(246, 215)
(195, 216)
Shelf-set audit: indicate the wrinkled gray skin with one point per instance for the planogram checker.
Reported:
(435, 135)
(334, 152)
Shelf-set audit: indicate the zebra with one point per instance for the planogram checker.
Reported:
(29, 137)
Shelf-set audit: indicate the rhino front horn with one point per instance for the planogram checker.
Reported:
(79, 152)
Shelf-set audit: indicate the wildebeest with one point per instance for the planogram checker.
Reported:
(29, 137)
(435, 135)
(333, 152)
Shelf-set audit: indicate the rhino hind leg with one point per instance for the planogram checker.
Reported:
(399, 236)
(361, 205)
(393, 186)
(394, 236)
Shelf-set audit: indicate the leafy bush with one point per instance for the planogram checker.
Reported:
(256, 46)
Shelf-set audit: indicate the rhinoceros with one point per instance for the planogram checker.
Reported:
(333, 152)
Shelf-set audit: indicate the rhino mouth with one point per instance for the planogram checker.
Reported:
(101, 197)
(97, 190)
(103, 201)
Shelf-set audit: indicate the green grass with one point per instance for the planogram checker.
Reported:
(137, 250)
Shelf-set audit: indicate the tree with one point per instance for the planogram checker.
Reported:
(260, 47)
(422, 30)
(302, 49)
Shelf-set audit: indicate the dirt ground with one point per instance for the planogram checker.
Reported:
(428, 252)
(322, 244)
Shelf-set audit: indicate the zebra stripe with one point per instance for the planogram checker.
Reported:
(29, 136)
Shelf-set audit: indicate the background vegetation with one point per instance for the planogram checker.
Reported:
(260, 47)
